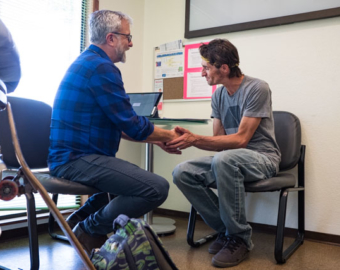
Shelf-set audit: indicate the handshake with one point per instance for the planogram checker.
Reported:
(181, 139)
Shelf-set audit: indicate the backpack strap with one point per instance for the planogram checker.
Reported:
(121, 221)
(151, 233)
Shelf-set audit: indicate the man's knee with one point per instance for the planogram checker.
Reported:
(178, 172)
(161, 188)
(226, 158)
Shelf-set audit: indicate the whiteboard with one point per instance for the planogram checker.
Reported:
(238, 15)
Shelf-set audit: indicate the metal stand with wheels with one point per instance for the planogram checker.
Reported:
(159, 224)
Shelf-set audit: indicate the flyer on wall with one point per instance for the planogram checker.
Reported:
(195, 86)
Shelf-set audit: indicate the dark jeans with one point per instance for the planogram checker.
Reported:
(137, 191)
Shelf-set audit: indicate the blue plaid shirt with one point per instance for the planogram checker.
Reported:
(91, 109)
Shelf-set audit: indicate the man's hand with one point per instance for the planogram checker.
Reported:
(186, 140)
(170, 151)
(162, 145)
(175, 134)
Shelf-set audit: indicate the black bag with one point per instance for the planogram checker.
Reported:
(134, 245)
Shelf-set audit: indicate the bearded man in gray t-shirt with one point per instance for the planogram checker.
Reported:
(243, 136)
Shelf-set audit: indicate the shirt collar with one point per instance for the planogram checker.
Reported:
(99, 51)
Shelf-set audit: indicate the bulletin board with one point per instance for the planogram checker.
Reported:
(173, 88)
(178, 74)
(169, 68)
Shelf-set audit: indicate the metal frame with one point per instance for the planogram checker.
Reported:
(51, 221)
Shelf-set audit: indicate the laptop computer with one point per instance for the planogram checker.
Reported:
(145, 104)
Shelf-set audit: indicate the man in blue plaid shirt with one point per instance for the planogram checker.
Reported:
(91, 114)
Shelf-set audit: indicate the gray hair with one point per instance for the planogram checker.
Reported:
(103, 22)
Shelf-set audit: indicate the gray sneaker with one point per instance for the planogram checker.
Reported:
(232, 253)
(218, 244)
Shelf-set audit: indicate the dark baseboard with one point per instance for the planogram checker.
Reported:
(18, 233)
(309, 235)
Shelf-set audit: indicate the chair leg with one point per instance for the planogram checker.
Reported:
(191, 230)
(281, 255)
(32, 231)
(51, 221)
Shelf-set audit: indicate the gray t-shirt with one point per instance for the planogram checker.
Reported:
(252, 99)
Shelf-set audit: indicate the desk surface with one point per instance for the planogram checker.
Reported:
(179, 121)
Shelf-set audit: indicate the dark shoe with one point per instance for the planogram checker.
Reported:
(73, 219)
(88, 241)
(233, 252)
(218, 243)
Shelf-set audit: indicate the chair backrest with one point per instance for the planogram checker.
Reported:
(32, 119)
(288, 137)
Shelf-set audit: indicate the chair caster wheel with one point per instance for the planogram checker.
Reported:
(8, 189)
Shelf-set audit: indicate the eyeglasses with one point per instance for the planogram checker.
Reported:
(129, 37)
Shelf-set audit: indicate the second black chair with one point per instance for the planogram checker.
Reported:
(288, 137)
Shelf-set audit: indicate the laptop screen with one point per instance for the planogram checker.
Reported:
(145, 104)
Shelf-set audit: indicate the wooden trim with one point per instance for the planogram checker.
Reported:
(187, 32)
(314, 15)
(95, 5)
(325, 238)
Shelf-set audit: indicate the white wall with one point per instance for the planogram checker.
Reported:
(301, 64)
(132, 70)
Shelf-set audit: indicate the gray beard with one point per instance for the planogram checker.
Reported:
(123, 58)
(121, 55)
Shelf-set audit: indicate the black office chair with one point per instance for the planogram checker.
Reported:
(32, 120)
(288, 137)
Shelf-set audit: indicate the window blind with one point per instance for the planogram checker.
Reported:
(49, 35)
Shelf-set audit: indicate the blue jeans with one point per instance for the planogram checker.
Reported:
(137, 191)
(227, 171)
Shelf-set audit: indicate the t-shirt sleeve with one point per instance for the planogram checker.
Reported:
(215, 104)
(258, 101)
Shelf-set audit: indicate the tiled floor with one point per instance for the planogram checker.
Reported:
(60, 255)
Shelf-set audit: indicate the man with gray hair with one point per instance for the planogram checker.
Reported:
(91, 113)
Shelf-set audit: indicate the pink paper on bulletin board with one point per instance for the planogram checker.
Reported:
(192, 69)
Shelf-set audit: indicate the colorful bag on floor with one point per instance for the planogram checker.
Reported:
(134, 245)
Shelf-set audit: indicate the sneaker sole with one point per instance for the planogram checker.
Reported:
(224, 264)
